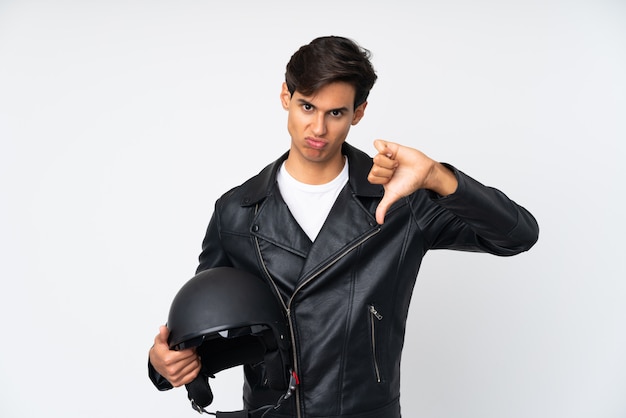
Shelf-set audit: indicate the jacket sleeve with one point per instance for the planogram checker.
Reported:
(212, 254)
(480, 218)
(159, 381)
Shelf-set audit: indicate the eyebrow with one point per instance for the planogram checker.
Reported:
(340, 109)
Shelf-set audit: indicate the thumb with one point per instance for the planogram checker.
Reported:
(164, 333)
(383, 147)
(384, 205)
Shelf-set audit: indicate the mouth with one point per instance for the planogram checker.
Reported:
(315, 143)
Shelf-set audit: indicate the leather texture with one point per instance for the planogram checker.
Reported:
(347, 294)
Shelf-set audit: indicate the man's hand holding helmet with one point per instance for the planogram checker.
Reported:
(178, 367)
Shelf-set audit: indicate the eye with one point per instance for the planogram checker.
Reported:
(336, 113)
(307, 107)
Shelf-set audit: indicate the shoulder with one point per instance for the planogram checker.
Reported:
(254, 189)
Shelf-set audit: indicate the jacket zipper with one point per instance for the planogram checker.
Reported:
(288, 306)
(375, 316)
(267, 273)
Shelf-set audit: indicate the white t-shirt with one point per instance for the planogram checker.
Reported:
(310, 203)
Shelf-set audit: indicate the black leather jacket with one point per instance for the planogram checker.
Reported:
(347, 294)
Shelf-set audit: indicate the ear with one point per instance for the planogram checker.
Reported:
(285, 96)
(358, 113)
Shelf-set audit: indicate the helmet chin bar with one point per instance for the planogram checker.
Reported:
(244, 413)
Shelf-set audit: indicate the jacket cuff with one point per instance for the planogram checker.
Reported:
(436, 196)
(159, 381)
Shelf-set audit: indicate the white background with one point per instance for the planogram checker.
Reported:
(121, 122)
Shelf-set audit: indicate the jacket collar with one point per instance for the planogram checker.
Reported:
(259, 187)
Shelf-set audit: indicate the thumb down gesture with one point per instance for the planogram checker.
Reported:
(403, 170)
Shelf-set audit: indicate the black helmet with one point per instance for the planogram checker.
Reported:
(232, 318)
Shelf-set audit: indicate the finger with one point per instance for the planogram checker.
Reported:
(383, 168)
(385, 148)
(381, 147)
(379, 176)
(176, 365)
(381, 210)
(193, 368)
(187, 373)
(389, 198)
(162, 336)
(382, 160)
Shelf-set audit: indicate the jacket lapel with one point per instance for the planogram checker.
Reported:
(347, 223)
(275, 223)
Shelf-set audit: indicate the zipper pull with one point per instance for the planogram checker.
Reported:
(374, 312)
(294, 381)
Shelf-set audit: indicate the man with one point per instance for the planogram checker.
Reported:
(340, 237)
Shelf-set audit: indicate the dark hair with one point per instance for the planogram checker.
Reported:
(329, 59)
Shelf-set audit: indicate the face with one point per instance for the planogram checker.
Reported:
(318, 125)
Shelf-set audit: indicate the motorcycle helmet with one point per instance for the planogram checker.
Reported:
(232, 318)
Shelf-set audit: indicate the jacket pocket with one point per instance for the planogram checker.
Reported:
(374, 318)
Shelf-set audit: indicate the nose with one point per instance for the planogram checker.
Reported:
(319, 124)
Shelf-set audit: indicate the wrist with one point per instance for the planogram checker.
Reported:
(442, 180)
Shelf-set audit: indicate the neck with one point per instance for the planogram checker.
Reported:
(309, 172)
